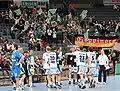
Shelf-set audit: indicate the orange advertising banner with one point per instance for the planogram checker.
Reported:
(79, 41)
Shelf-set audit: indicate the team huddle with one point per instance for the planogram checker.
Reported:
(80, 63)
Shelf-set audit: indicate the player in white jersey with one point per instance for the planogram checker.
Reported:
(80, 61)
(91, 61)
(53, 67)
(46, 65)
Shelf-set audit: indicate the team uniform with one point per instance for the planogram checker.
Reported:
(80, 62)
(91, 68)
(30, 67)
(53, 63)
(22, 68)
(46, 63)
(81, 67)
(15, 59)
(92, 64)
(59, 62)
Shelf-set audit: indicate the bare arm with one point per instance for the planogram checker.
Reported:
(21, 59)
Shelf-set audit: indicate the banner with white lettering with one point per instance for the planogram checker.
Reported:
(111, 2)
(32, 3)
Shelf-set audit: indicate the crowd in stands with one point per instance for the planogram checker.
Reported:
(37, 26)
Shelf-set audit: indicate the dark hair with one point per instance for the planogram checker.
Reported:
(16, 46)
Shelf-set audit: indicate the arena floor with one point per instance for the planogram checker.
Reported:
(113, 84)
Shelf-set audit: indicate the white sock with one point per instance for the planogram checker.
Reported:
(58, 83)
(83, 83)
(22, 83)
(17, 89)
(69, 79)
(86, 79)
(49, 83)
(30, 83)
(53, 84)
(14, 85)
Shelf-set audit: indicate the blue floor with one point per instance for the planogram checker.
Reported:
(113, 84)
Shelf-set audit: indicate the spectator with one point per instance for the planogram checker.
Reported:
(115, 7)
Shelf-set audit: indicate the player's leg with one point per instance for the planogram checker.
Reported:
(49, 83)
(53, 81)
(58, 76)
(30, 73)
(70, 73)
(17, 77)
(92, 82)
(14, 83)
(82, 82)
(21, 83)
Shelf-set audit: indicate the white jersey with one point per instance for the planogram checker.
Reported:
(92, 56)
(52, 60)
(46, 60)
(80, 58)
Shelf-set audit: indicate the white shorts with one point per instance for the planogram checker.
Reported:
(52, 71)
(92, 71)
(82, 69)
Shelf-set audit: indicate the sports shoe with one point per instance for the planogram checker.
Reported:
(32, 86)
(59, 86)
(53, 86)
(104, 83)
(83, 87)
(49, 86)
(92, 85)
(79, 85)
(99, 83)
(14, 88)
(69, 82)
(74, 81)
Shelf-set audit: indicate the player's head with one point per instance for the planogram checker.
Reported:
(14, 47)
(77, 48)
(90, 49)
(48, 49)
(60, 49)
(53, 48)
(102, 52)
(25, 53)
(73, 49)
(30, 52)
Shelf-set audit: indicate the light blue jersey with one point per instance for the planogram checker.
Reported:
(15, 59)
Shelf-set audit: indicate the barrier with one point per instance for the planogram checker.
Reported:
(117, 71)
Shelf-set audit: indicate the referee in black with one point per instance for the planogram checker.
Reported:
(103, 62)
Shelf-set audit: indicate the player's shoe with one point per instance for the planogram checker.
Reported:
(92, 85)
(83, 87)
(104, 83)
(14, 88)
(49, 86)
(74, 81)
(54, 86)
(59, 86)
(69, 82)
